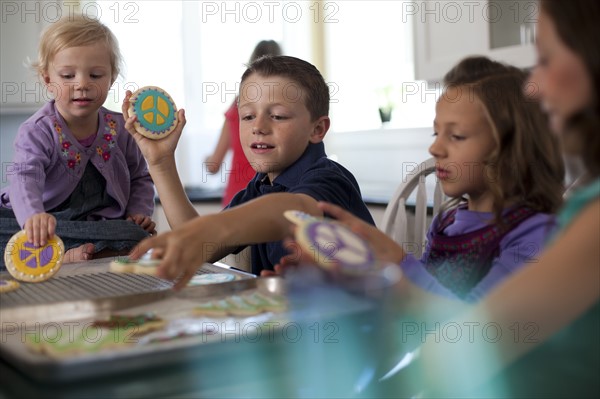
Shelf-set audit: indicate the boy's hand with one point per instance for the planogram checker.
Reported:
(295, 258)
(386, 249)
(40, 228)
(155, 151)
(145, 222)
(182, 250)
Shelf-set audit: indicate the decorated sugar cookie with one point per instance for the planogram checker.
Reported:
(144, 265)
(68, 343)
(140, 323)
(122, 264)
(155, 110)
(211, 278)
(119, 332)
(330, 243)
(25, 262)
(8, 285)
(218, 308)
(267, 303)
(240, 307)
(298, 217)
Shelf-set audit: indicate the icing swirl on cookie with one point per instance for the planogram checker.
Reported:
(126, 321)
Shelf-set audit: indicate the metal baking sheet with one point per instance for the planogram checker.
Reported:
(167, 304)
(81, 295)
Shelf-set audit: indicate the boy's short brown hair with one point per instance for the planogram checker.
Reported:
(312, 84)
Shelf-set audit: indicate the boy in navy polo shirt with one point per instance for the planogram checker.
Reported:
(283, 107)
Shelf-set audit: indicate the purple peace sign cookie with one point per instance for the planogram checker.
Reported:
(333, 243)
(299, 217)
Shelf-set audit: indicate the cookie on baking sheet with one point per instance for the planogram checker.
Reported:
(137, 324)
(8, 285)
(266, 302)
(123, 264)
(26, 262)
(146, 266)
(210, 278)
(239, 307)
(118, 332)
(218, 308)
(68, 343)
(331, 243)
(155, 110)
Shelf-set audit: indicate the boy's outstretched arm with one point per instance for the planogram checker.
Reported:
(209, 238)
(160, 156)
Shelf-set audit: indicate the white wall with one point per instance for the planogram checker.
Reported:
(379, 159)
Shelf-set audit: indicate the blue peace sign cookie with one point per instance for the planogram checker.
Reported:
(155, 110)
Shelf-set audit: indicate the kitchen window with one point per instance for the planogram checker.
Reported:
(196, 50)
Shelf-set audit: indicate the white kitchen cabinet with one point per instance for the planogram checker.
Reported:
(447, 31)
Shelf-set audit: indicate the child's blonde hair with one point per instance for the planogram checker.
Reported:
(74, 31)
(526, 165)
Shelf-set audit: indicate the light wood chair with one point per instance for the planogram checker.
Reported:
(242, 260)
(397, 223)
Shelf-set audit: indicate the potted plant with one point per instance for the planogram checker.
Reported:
(386, 103)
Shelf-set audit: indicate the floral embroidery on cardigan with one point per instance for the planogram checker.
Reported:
(110, 131)
(72, 156)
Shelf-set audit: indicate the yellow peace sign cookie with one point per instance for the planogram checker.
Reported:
(155, 110)
(25, 262)
(8, 285)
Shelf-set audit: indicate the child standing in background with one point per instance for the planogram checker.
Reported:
(78, 173)
(241, 171)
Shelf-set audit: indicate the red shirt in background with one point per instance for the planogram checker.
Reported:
(240, 172)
